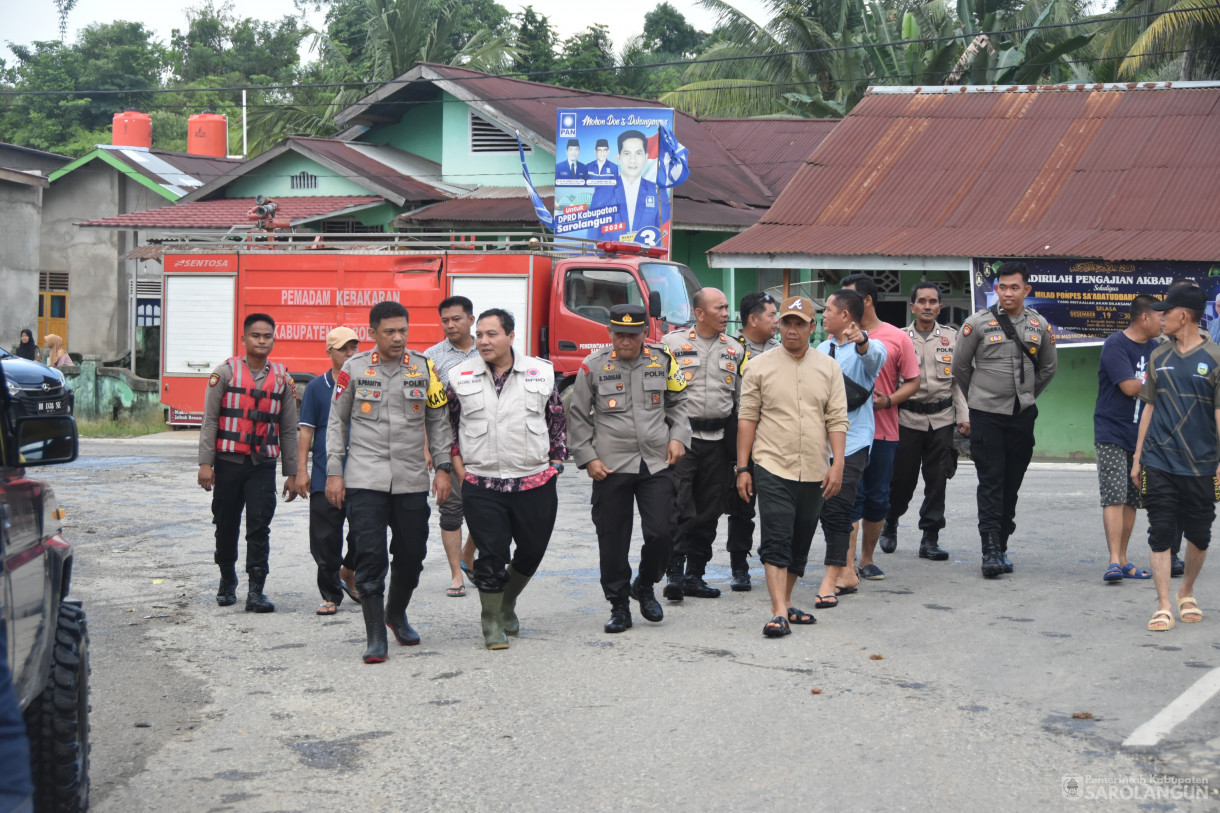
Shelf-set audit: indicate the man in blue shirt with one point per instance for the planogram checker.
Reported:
(1176, 459)
(639, 202)
(335, 576)
(860, 359)
(1116, 418)
(571, 172)
(603, 171)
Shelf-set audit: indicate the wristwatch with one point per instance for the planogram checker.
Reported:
(863, 337)
(444, 467)
(558, 467)
(739, 469)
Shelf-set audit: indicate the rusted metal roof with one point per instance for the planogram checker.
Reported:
(1116, 172)
(774, 148)
(225, 213)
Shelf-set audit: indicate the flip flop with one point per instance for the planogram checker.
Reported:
(1114, 573)
(1161, 621)
(1188, 610)
(825, 602)
(456, 592)
(467, 569)
(781, 627)
(1133, 572)
(845, 591)
(871, 572)
(796, 616)
(327, 608)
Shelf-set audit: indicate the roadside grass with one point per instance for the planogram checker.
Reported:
(125, 427)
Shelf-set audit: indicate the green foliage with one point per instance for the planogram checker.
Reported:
(590, 49)
(535, 40)
(217, 43)
(666, 31)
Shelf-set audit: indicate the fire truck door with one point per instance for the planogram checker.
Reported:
(509, 293)
(197, 319)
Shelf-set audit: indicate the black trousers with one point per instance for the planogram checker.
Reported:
(702, 476)
(1002, 446)
(496, 519)
(613, 516)
(1178, 505)
(790, 512)
(933, 451)
(326, 545)
(837, 512)
(249, 487)
(741, 515)
(369, 514)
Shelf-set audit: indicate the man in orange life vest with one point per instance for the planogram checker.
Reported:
(249, 420)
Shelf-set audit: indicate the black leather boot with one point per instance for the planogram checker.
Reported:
(929, 549)
(740, 563)
(889, 536)
(256, 602)
(675, 577)
(620, 616)
(992, 566)
(695, 586)
(1004, 560)
(650, 608)
(493, 622)
(508, 611)
(396, 615)
(374, 628)
(226, 594)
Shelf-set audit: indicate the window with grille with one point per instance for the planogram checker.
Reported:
(52, 280)
(303, 180)
(487, 137)
(349, 227)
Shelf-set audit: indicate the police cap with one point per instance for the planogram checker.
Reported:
(628, 319)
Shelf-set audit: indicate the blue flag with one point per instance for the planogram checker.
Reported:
(544, 214)
(673, 166)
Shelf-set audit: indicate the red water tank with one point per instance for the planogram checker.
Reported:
(131, 128)
(208, 134)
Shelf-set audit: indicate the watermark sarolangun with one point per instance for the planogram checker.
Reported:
(1140, 787)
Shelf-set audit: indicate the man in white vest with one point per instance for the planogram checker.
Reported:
(510, 441)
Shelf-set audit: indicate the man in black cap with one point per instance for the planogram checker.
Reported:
(1176, 461)
(603, 171)
(627, 427)
(571, 172)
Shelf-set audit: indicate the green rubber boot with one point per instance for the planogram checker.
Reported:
(508, 611)
(493, 623)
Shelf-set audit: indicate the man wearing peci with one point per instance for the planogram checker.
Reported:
(602, 171)
(640, 203)
(571, 172)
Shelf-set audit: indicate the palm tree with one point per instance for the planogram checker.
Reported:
(397, 35)
(1186, 31)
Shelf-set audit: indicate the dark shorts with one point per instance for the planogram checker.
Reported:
(788, 515)
(1176, 501)
(451, 509)
(873, 493)
(1114, 476)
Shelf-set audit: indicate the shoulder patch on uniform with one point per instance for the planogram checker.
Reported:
(967, 329)
(214, 380)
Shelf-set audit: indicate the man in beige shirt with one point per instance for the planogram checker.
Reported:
(793, 416)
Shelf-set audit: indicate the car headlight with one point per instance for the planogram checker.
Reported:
(14, 388)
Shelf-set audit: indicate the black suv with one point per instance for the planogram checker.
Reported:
(35, 388)
(48, 644)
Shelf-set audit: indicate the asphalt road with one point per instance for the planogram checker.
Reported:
(969, 704)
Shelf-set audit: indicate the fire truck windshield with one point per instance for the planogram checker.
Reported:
(677, 285)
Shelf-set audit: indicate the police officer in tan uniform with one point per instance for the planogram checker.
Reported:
(384, 399)
(710, 362)
(1005, 357)
(759, 321)
(926, 423)
(249, 419)
(627, 427)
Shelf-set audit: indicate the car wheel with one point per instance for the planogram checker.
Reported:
(58, 720)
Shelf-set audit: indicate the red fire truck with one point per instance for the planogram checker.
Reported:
(559, 292)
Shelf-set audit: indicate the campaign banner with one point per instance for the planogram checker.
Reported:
(1084, 301)
(606, 175)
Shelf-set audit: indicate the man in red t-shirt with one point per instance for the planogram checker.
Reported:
(873, 494)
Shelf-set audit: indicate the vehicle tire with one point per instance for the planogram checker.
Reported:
(58, 720)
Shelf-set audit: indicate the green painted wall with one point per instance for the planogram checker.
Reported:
(272, 180)
(419, 132)
(460, 165)
(108, 392)
(1065, 410)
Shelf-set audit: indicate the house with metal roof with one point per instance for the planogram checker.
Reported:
(436, 150)
(939, 183)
